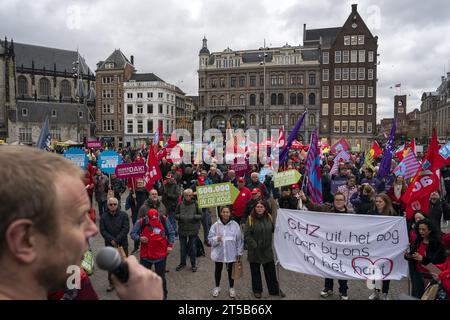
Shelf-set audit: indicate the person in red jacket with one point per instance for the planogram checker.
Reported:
(157, 237)
(241, 201)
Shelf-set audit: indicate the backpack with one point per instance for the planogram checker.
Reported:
(162, 220)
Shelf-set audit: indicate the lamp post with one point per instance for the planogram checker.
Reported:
(263, 63)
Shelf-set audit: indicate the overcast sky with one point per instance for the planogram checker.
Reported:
(165, 36)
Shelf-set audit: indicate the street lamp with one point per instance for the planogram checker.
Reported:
(263, 63)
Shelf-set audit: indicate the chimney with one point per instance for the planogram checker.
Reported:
(304, 33)
(354, 8)
(132, 60)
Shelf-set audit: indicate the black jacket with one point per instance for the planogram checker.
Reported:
(251, 205)
(434, 254)
(435, 213)
(115, 227)
(288, 203)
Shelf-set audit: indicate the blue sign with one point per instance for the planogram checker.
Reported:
(445, 151)
(77, 156)
(108, 161)
(263, 173)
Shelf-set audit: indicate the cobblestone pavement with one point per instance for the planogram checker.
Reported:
(186, 285)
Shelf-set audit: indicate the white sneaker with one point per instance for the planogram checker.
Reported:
(342, 297)
(216, 292)
(375, 295)
(326, 293)
(232, 293)
(385, 296)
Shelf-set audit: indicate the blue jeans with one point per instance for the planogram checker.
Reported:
(206, 223)
(101, 207)
(188, 247)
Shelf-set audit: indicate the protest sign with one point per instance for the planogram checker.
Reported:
(286, 178)
(263, 173)
(215, 195)
(342, 246)
(77, 156)
(335, 184)
(130, 170)
(94, 144)
(108, 161)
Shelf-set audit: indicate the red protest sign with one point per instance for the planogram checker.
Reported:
(130, 170)
(94, 144)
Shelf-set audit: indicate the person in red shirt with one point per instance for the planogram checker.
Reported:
(241, 201)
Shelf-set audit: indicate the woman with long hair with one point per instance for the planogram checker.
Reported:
(383, 206)
(396, 192)
(349, 189)
(427, 248)
(227, 244)
(258, 233)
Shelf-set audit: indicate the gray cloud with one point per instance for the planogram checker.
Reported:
(165, 36)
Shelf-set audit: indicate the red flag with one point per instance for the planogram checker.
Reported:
(339, 146)
(153, 173)
(375, 151)
(426, 181)
(403, 152)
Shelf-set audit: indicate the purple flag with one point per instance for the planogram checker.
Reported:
(285, 152)
(313, 171)
(385, 165)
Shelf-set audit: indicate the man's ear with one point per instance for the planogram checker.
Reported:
(20, 240)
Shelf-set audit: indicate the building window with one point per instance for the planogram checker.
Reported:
(353, 91)
(337, 109)
(65, 88)
(261, 81)
(325, 92)
(241, 81)
(44, 87)
(354, 56)
(370, 56)
(129, 126)
(252, 99)
(337, 91)
(324, 109)
(280, 79)
(149, 126)
(300, 99)
(139, 95)
(222, 82)
(337, 57)
(345, 74)
(106, 80)
(360, 109)
(172, 111)
(241, 100)
(273, 99)
(354, 40)
(312, 79)
(292, 99)
(140, 126)
(312, 99)
(233, 100)
(292, 119)
(344, 126)
(140, 108)
(107, 108)
(369, 127)
(25, 135)
(337, 126)
(22, 84)
(361, 39)
(337, 74)
(161, 95)
(273, 80)
(108, 125)
(129, 96)
(233, 82)
(352, 126)
(325, 74)
(129, 109)
(362, 56)
(346, 40)
(273, 119)
(312, 120)
(369, 74)
(345, 55)
(54, 113)
(360, 126)
(326, 57)
(369, 109)
(80, 114)
(280, 119)
(361, 91)
(222, 100)
(370, 92)
(252, 81)
(361, 74)
(24, 112)
(160, 108)
(150, 108)
(344, 109)
(280, 99)
(252, 120)
(344, 91)
(353, 74)
(353, 109)
(150, 94)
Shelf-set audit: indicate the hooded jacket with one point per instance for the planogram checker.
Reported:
(258, 237)
(232, 244)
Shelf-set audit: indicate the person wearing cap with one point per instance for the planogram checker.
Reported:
(255, 183)
(157, 237)
(241, 201)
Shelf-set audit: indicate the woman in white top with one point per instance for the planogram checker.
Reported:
(227, 245)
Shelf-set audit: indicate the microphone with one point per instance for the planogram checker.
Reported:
(108, 259)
